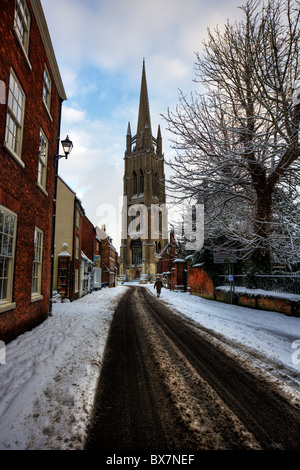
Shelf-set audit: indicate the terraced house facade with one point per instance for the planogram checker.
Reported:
(32, 94)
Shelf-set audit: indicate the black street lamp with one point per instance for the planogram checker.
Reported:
(67, 146)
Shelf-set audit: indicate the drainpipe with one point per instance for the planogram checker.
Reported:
(54, 211)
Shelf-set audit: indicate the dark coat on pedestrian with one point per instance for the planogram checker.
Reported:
(158, 285)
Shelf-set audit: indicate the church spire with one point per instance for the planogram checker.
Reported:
(144, 110)
(128, 140)
(159, 142)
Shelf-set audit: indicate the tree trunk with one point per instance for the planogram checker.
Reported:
(261, 256)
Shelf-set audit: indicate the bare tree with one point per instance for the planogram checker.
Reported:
(238, 142)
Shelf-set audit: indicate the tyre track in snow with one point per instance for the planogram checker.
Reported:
(125, 415)
(164, 386)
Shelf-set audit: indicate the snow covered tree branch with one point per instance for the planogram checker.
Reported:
(237, 144)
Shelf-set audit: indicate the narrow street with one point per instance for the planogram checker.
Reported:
(165, 385)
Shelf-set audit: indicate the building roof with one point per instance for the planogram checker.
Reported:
(66, 184)
(102, 235)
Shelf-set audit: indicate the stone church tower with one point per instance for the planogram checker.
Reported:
(144, 218)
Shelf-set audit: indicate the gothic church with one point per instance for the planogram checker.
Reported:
(144, 220)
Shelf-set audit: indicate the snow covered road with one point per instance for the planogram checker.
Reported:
(269, 339)
(48, 383)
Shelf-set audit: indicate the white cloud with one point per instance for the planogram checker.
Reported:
(72, 116)
(94, 169)
(118, 33)
(99, 46)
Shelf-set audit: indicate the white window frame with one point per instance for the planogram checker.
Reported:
(2, 92)
(37, 266)
(15, 118)
(8, 231)
(47, 87)
(22, 24)
(42, 161)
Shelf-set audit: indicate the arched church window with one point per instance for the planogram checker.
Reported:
(141, 182)
(136, 252)
(134, 183)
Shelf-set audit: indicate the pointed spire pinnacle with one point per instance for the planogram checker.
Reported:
(128, 139)
(158, 132)
(159, 142)
(144, 110)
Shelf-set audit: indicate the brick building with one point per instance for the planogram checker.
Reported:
(68, 242)
(88, 252)
(109, 259)
(165, 259)
(97, 271)
(64, 231)
(32, 93)
(77, 249)
(77, 255)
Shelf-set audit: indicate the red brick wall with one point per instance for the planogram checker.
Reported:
(200, 283)
(88, 238)
(177, 275)
(165, 263)
(18, 186)
(104, 261)
(275, 304)
(108, 263)
(261, 302)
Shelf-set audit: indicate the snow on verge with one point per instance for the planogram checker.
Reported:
(48, 383)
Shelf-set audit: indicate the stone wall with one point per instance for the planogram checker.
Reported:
(200, 283)
(274, 302)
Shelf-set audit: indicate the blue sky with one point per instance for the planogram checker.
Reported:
(100, 46)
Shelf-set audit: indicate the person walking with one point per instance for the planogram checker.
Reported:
(158, 285)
